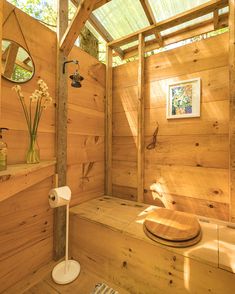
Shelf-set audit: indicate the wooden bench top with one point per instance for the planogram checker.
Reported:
(216, 248)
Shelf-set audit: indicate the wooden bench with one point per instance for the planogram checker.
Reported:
(107, 238)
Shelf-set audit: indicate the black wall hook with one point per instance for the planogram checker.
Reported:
(69, 61)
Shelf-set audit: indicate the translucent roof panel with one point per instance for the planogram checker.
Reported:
(188, 23)
(164, 9)
(121, 18)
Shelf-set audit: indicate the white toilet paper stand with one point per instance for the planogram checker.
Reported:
(68, 270)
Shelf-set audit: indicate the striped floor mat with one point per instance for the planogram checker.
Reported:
(102, 288)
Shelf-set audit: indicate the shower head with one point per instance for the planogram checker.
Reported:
(76, 77)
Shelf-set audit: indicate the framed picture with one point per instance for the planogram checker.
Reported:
(183, 99)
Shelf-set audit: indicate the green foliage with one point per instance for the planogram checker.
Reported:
(20, 74)
(39, 9)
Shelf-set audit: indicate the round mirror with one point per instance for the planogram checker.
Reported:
(17, 64)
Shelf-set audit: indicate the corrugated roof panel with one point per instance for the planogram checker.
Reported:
(187, 24)
(164, 9)
(121, 18)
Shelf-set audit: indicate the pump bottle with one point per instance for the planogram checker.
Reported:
(3, 151)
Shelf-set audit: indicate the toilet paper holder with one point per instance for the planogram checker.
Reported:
(51, 197)
(68, 270)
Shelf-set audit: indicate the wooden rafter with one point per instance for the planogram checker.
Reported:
(104, 33)
(196, 12)
(23, 64)
(27, 60)
(83, 12)
(150, 16)
(216, 19)
(101, 29)
(180, 35)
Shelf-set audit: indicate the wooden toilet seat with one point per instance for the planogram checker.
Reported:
(172, 228)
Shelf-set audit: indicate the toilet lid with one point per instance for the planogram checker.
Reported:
(172, 225)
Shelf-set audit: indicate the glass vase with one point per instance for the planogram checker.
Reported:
(33, 153)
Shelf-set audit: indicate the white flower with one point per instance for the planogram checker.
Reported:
(34, 97)
(40, 82)
(17, 88)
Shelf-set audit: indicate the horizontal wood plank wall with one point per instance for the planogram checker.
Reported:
(188, 170)
(86, 118)
(26, 220)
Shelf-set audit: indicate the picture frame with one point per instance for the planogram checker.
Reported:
(184, 99)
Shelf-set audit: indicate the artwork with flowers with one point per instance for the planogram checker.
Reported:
(184, 99)
(33, 110)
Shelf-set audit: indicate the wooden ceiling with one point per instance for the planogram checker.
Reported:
(154, 28)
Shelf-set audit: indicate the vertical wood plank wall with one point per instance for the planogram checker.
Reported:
(26, 220)
(85, 173)
(189, 168)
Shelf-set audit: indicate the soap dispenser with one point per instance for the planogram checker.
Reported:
(3, 151)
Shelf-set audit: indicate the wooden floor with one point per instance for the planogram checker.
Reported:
(42, 283)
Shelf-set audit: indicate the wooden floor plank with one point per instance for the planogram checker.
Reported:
(41, 282)
(42, 287)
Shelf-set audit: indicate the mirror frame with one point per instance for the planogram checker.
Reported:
(19, 82)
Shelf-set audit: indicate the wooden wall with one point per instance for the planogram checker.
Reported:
(26, 220)
(188, 169)
(85, 173)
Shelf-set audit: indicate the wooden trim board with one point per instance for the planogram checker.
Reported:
(108, 120)
(141, 124)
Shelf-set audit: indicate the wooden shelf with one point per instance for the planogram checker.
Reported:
(19, 177)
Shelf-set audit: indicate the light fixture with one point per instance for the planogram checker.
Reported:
(76, 77)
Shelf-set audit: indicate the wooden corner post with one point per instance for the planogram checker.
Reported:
(140, 138)
(108, 122)
(61, 130)
(232, 107)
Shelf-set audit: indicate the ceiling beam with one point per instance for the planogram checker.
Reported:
(97, 5)
(83, 12)
(188, 15)
(104, 33)
(180, 35)
(216, 19)
(100, 28)
(150, 16)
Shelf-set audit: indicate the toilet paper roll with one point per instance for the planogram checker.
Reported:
(59, 196)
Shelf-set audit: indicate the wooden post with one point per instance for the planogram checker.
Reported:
(108, 122)
(140, 139)
(232, 106)
(61, 131)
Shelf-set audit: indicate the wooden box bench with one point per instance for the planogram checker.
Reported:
(107, 238)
